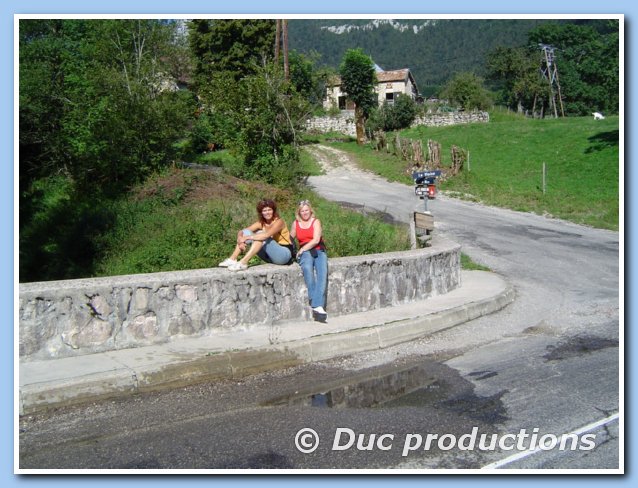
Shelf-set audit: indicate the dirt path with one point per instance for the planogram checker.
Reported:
(333, 161)
(346, 183)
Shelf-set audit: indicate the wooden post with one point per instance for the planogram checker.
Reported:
(544, 178)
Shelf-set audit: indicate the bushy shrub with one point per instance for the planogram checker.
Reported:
(211, 131)
(281, 169)
(396, 116)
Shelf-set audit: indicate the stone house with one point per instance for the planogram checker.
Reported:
(390, 84)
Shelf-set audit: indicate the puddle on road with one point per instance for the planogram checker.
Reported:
(361, 390)
(426, 384)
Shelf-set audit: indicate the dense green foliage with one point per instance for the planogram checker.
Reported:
(247, 104)
(265, 114)
(519, 84)
(308, 80)
(93, 102)
(466, 90)
(97, 115)
(358, 78)
(586, 65)
(232, 46)
(59, 238)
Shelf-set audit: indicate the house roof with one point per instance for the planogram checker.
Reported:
(382, 77)
(394, 75)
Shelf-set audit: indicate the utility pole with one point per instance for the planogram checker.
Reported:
(549, 70)
(285, 42)
(277, 39)
(281, 37)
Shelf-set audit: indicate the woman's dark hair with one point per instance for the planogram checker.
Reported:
(262, 204)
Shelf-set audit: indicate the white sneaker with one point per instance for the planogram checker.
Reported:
(319, 310)
(226, 263)
(238, 266)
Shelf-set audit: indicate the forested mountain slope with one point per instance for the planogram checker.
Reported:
(434, 50)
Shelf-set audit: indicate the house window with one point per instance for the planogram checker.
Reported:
(342, 103)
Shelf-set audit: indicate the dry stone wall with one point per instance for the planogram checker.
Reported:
(77, 317)
(344, 122)
(451, 118)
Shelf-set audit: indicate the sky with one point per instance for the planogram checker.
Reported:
(8, 215)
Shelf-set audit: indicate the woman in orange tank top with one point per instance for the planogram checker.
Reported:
(267, 238)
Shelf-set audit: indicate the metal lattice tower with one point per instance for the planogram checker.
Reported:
(549, 71)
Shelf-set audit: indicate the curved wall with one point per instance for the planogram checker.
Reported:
(76, 317)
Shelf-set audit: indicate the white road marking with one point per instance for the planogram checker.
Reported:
(524, 454)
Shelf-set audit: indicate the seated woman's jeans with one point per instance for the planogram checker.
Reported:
(315, 274)
(271, 251)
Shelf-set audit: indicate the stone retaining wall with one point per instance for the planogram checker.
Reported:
(76, 317)
(344, 122)
(451, 118)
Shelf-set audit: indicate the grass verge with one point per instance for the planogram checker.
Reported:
(188, 219)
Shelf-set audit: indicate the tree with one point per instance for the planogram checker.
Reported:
(516, 71)
(588, 63)
(308, 80)
(41, 100)
(247, 88)
(467, 91)
(97, 101)
(358, 81)
(235, 46)
(98, 112)
(266, 115)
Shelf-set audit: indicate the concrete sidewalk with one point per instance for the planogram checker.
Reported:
(60, 382)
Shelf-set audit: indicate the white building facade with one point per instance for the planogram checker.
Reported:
(390, 84)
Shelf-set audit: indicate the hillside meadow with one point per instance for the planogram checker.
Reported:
(505, 169)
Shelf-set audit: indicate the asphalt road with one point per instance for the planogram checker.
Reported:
(544, 349)
(546, 366)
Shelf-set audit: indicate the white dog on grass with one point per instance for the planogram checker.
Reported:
(598, 116)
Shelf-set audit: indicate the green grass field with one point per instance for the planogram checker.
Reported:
(506, 156)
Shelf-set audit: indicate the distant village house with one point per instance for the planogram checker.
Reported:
(390, 84)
